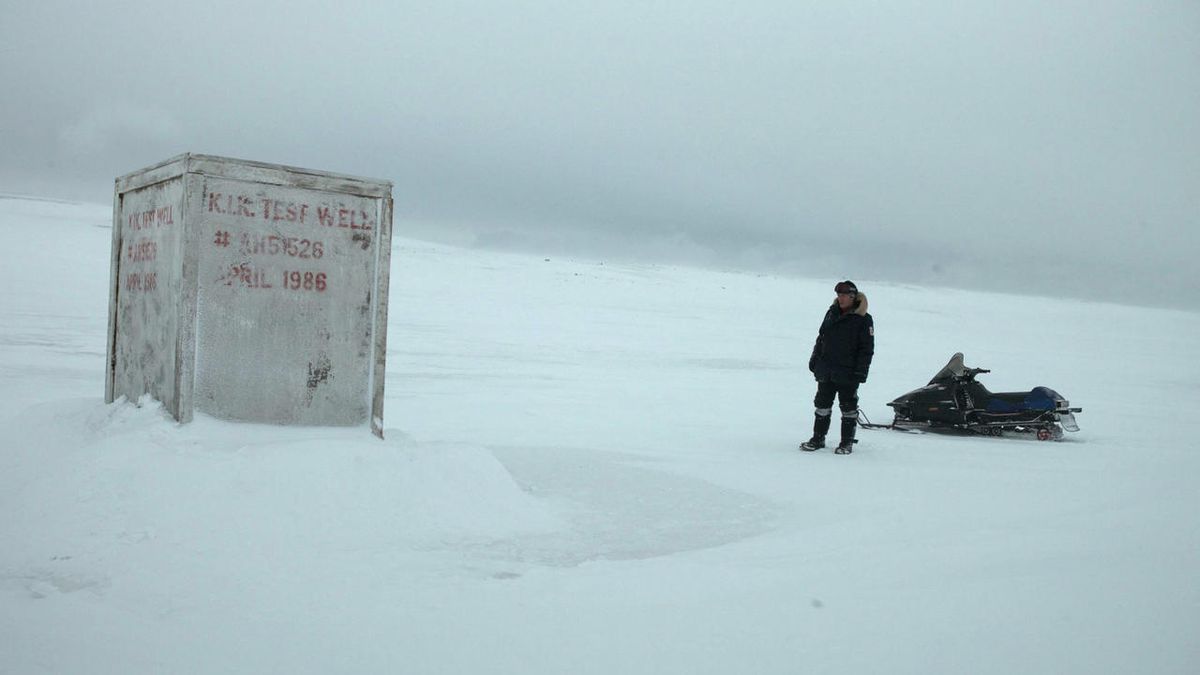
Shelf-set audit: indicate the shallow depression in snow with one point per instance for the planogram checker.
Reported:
(619, 509)
(327, 493)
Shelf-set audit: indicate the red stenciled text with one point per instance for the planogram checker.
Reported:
(141, 281)
(245, 275)
(283, 211)
(351, 219)
(304, 281)
(234, 205)
(157, 217)
(271, 244)
(276, 210)
(142, 250)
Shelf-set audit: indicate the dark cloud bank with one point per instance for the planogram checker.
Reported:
(1018, 147)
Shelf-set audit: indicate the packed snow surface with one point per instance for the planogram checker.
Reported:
(592, 468)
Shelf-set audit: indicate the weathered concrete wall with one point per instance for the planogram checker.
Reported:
(146, 248)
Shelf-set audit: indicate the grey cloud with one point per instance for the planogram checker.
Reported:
(1015, 146)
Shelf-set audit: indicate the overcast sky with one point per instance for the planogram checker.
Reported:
(1019, 146)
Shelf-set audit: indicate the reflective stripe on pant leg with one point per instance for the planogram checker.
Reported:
(848, 400)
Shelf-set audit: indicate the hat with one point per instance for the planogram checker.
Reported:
(846, 286)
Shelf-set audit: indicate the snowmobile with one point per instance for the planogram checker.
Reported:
(955, 401)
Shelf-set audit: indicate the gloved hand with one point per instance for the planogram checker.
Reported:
(860, 377)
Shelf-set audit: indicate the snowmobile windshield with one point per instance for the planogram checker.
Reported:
(954, 368)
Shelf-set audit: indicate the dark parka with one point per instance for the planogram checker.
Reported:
(845, 345)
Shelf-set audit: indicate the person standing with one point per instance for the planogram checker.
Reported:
(840, 361)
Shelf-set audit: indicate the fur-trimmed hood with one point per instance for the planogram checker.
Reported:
(860, 305)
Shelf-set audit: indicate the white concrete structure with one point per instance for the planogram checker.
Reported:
(250, 291)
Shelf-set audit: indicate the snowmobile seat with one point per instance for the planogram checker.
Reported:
(1038, 398)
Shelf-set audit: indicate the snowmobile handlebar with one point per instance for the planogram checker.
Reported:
(970, 373)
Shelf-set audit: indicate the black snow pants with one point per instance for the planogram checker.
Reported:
(847, 396)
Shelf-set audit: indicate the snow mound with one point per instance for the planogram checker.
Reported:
(128, 474)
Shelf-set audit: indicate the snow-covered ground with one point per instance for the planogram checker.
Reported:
(592, 468)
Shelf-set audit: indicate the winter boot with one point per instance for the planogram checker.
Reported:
(846, 446)
(820, 429)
